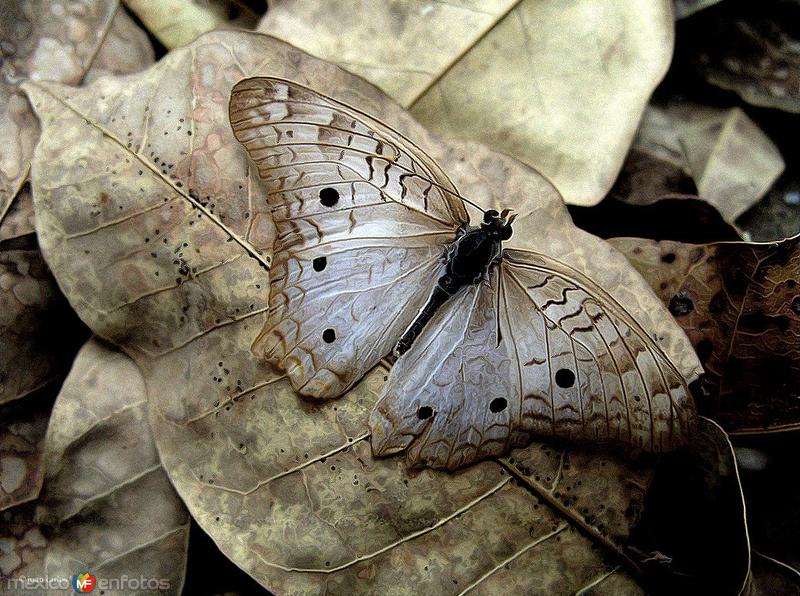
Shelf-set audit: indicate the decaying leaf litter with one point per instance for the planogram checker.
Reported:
(218, 457)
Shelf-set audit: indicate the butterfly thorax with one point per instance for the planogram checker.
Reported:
(469, 258)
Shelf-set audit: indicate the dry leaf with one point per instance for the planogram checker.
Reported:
(22, 428)
(656, 164)
(177, 22)
(558, 86)
(39, 334)
(739, 303)
(120, 514)
(55, 40)
(106, 506)
(289, 489)
(751, 48)
(733, 163)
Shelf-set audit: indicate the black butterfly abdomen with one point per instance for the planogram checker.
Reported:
(468, 260)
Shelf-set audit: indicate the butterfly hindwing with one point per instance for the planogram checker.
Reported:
(362, 218)
(537, 350)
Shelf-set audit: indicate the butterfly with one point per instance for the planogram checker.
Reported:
(375, 254)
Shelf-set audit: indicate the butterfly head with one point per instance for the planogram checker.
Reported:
(499, 223)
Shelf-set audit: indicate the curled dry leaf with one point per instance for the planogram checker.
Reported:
(39, 334)
(560, 87)
(173, 266)
(656, 164)
(22, 428)
(750, 48)
(731, 161)
(739, 303)
(177, 22)
(55, 40)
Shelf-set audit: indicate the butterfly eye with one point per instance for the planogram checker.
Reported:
(319, 263)
(498, 405)
(424, 412)
(328, 336)
(505, 233)
(565, 378)
(489, 215)
(329, 196)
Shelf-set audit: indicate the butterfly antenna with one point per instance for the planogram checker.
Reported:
(478, 207)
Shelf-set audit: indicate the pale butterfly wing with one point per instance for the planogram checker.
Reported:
(538, 350)
(362, 218)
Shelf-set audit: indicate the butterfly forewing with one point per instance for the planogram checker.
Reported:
(536, 350)
(362, 218)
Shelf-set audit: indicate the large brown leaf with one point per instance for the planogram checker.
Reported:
(739, 303)
(561, 87)
(289, 489)
(106, 506)
(62, 41)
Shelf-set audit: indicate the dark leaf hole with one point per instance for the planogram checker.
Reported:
(565, 378)
(668, 258)
(320, 263)
(680, 305)
(329, 335)
(498, 405)
(329, 196)
(425, 412)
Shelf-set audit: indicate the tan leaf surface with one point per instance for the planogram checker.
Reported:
(561, 87)
(55, 40)
(177, 22)
(739, 303)
(106, 506)
(22, 428)
(38, 332)
(289, 489)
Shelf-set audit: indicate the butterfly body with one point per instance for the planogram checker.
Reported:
(469, 258)
(498, 344)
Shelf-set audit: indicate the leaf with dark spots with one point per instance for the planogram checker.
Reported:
(288, 488)
(740, 305)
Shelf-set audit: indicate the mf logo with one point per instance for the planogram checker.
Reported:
(83, 582)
